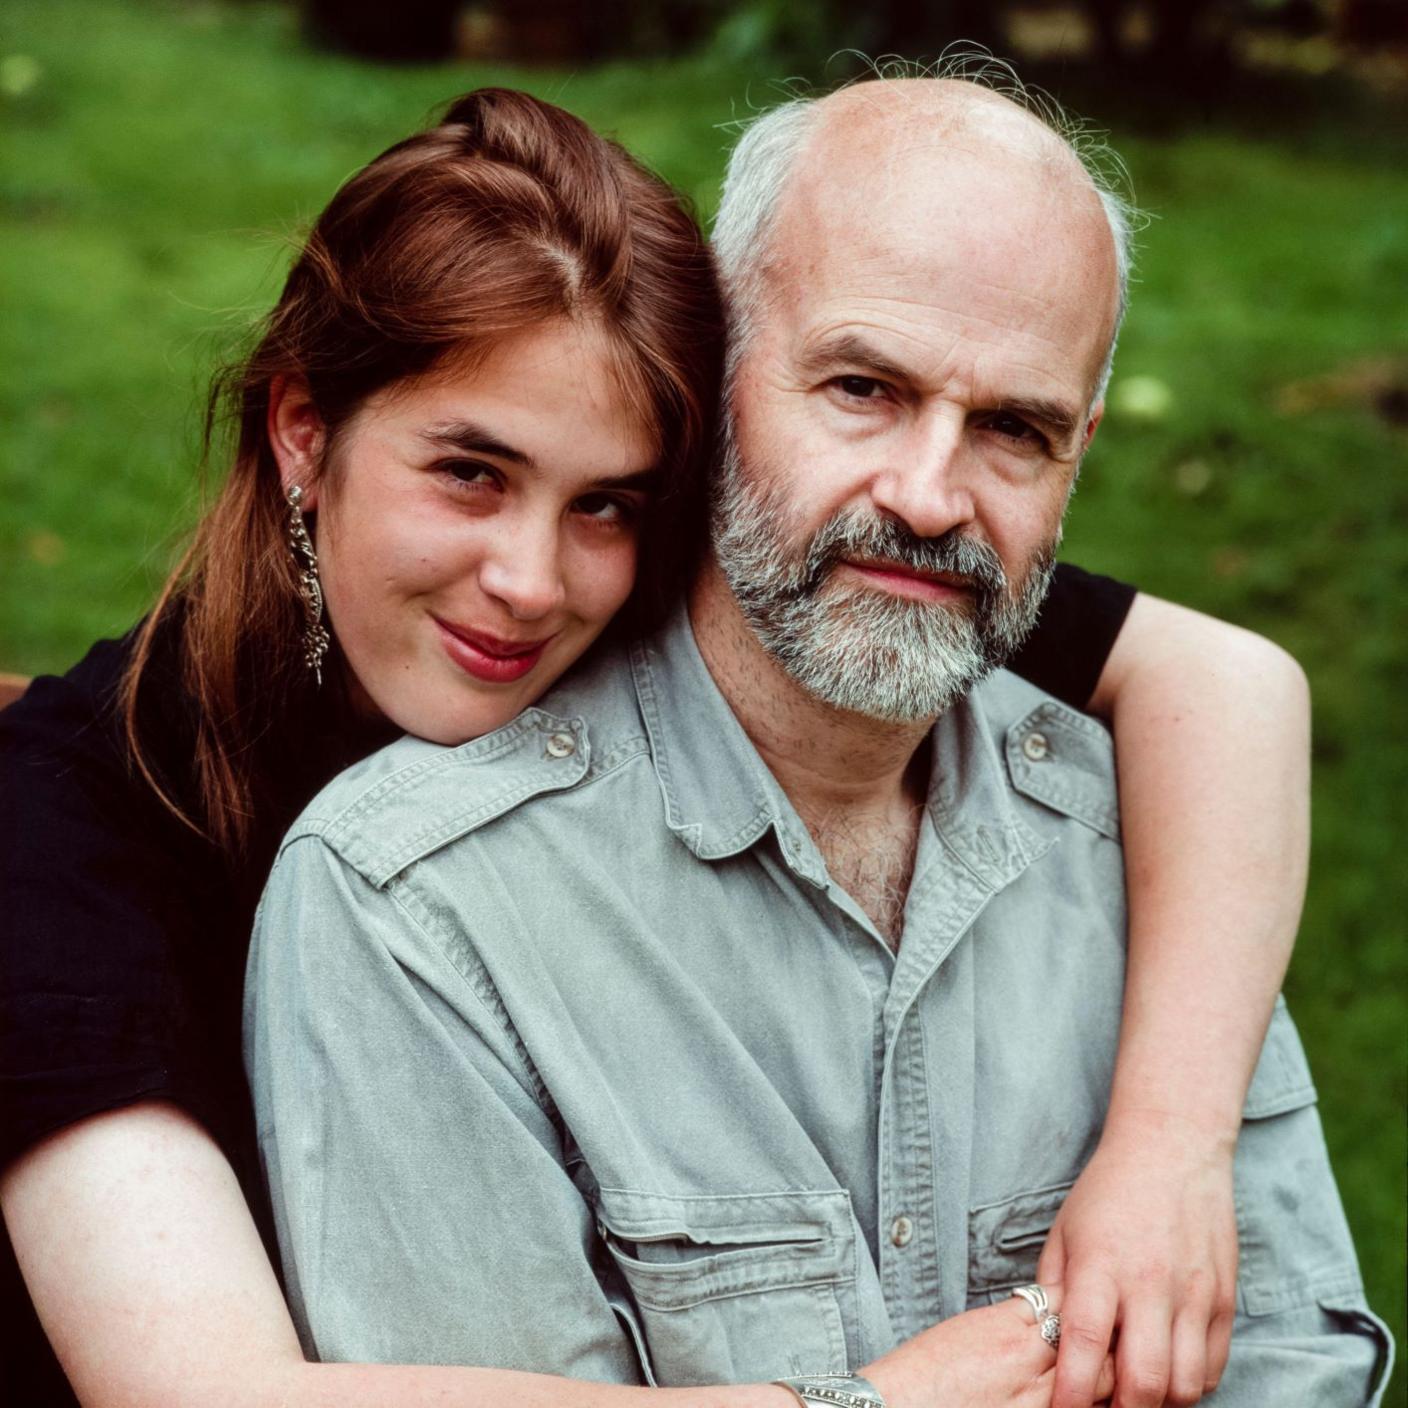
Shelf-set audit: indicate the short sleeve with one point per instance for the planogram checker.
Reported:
(109, 960)
(1080, 620)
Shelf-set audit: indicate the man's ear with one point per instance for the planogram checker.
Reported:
(296, 435)
(1097, 414)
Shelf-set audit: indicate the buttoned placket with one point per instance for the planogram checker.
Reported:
(969, 849)
(926, 1074)
(925, 1108)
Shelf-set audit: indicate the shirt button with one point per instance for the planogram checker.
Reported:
(902, 1231)
(561, 745)
(1035, 746)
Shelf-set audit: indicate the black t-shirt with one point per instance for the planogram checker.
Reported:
(123, 933)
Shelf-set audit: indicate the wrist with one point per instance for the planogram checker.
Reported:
(833, 1391)
(1140, 1124)
(890, 1379)
(1190, 1069)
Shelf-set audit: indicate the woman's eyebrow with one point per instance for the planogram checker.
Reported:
(474, 440)
(471, 439)
(642, 481)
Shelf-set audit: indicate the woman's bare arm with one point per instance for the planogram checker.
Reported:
(154, 1288)
(153, 1285)
(1211, 729)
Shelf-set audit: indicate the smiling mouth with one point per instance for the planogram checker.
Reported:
(903, 580)
(489, 658)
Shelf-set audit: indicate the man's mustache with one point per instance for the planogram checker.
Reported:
(887, 542)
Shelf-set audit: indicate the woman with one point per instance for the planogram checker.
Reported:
(489, 380)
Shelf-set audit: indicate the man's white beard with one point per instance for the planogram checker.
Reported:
(856, 648)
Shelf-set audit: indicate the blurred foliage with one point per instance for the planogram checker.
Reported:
(408, 31)
(158, 157)
(1181, 43)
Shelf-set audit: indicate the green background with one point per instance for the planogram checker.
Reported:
(157, 160)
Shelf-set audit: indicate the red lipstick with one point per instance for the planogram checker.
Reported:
(487, 657)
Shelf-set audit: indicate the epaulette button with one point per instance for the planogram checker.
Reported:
(1036, 747)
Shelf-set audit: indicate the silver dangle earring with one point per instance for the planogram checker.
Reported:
(315, 635)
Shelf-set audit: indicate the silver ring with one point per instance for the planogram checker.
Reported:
(1034, 1297)
(1051, 1331)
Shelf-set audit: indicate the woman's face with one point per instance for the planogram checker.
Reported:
(475, 529)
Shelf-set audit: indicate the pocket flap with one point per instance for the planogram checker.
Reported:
(733, 1219)
(677, 1251)
(1356, 1316)
(1065, 761)
(1005, 1239)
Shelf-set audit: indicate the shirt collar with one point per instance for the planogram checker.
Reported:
(720, 796)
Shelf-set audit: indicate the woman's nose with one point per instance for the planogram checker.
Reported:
(524, 573)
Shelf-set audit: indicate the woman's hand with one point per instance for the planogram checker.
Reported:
(1212, 736)
(1146, 1243)
(993, 1357)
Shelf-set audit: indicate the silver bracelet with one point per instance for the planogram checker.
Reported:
(833, 1391)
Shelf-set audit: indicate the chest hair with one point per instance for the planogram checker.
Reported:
(873, 861)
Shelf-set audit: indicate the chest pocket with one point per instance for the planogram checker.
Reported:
(1005, 1240)
(735, 1289)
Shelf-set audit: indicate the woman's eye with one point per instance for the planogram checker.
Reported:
(470, 473)
(607, 508)
(860, 388)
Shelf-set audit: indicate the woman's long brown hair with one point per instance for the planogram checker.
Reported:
(509, 213)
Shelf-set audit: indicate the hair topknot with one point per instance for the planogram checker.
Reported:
(585, 182)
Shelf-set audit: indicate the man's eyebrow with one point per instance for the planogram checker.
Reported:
(850, 350)
(1056, 416)
(473, 439)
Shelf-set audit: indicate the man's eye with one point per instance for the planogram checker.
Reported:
(861, 388)
(1012, 427)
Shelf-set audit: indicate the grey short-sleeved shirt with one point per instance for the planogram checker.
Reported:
(569, 1056)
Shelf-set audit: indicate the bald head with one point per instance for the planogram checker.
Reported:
(949, 112)
(943, 167)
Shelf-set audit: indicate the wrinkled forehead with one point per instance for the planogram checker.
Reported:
(990, 216)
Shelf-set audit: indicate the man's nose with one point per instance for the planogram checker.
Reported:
(524, 571)
(926, 481)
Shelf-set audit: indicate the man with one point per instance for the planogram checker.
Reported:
(799, 1066)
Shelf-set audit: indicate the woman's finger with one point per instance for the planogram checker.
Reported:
(1051, 1269)
(1105, 1384)
(1142, 1356)
(1087, 1325)
(1188, 1357)
(1020, 1305)
(1219, 1344)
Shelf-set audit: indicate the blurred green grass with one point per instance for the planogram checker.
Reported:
(157, 157)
